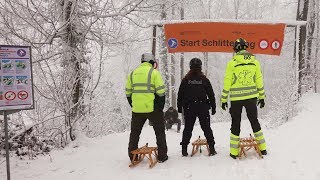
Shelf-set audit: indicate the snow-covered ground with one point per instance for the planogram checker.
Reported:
(293, 153)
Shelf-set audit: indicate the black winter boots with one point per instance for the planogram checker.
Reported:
(211, 153)
(162, 159)
(233, 156)
(212, 150)
(263, 152)
(184, 150)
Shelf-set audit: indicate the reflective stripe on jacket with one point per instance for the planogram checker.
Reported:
(141, 86)
(243, 78)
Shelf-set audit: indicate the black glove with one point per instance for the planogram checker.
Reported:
(179, 109)
(213, 110)
(159, 102)
(224, 105)
(129, 100)
(261, 102)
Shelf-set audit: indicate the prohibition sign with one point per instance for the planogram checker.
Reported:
(10, 95)
(22, 95)
(275, 45)
(263, 44)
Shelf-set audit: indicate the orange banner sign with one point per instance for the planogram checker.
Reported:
(220, 37)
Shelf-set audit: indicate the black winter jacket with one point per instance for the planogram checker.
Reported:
(195, 89)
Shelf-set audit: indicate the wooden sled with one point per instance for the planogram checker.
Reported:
(197, 144)
(248, 143)
(142, 152)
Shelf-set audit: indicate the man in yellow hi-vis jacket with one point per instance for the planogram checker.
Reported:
(145, 92)
(243, 82)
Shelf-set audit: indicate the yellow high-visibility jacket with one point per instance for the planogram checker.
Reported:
(243, 78)
(142, 85)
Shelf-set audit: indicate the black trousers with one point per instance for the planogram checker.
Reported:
(137, 122)
(170, 122)
(191, 112)
(252, 114)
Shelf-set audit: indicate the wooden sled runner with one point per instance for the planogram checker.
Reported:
(197, 144)
(247, 144)
(143, 151)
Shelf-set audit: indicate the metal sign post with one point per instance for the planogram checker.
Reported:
(7, 143)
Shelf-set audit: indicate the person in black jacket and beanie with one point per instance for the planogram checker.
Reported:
(195, 98)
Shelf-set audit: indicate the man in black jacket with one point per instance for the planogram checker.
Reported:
(196, 97)
(171, 117)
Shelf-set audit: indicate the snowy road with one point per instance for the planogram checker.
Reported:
(293, 153)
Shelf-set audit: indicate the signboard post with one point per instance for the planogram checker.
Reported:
(7, 143)
(16, 87)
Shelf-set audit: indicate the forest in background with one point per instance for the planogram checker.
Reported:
(83, 50)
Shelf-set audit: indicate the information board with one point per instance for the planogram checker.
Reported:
(16, 89)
